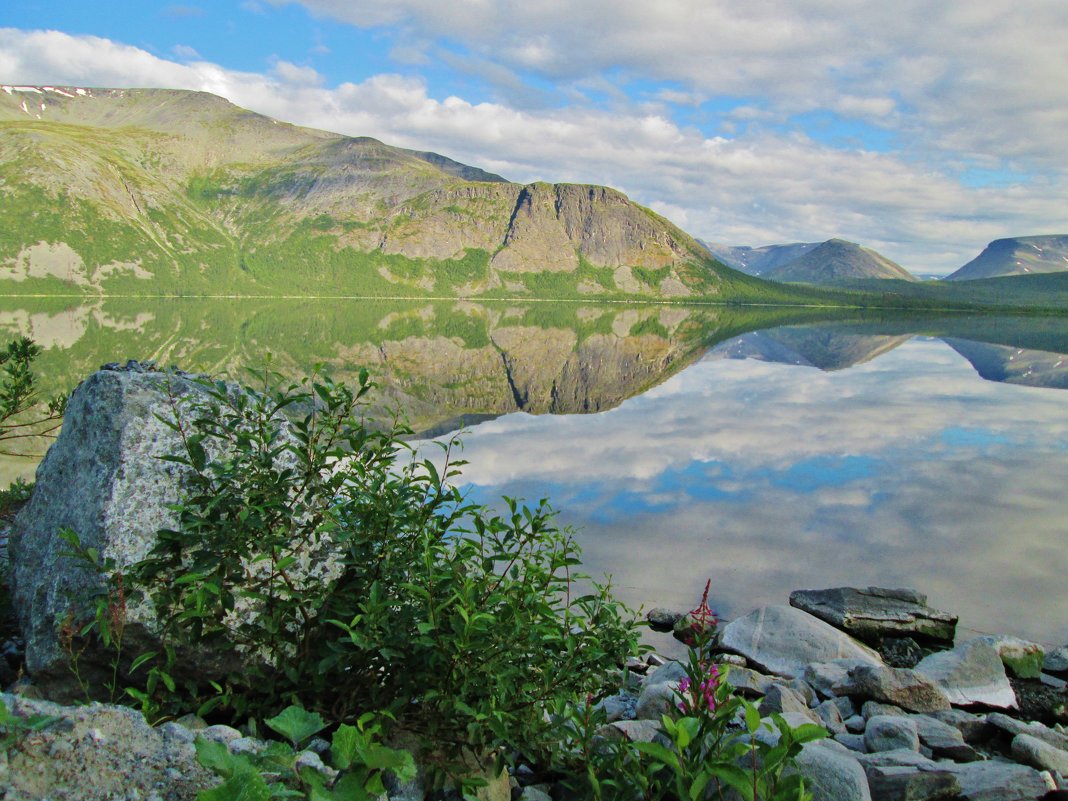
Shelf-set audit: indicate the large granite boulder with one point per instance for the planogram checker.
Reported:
(104, 479)
(784, 640)
(874, 613)
(971, 674)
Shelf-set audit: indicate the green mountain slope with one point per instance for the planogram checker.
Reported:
(838, 260)
(174, 192)
(1021, 255)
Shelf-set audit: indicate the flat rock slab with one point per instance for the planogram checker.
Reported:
(997, 781)
(1039, 754)
(971, 674)
(874, 613)
(910, 784)
(784, 640)
(901, 687)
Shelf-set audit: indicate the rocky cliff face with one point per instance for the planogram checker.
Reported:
(150, 191)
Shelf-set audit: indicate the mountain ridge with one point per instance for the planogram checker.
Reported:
(167, 191)
(1019, 255)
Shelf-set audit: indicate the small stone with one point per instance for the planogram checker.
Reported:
(657, 700)
(749, 683)
(873, 708)
(246, 745)
(656, 660)
(311, 760)
(943, 740)
(855, 724)
(1056, 661)
(901, 783)
(832, 773)
(830, 717)
(783, 700)
(636, 731)
(854, 742)
(534, 793)
(886, 733)
(900, 652)
(971, 726)
(618, 707)
(1037, 730)
(662, 619)
(734, 660)
(1039, 754)
(221, 734)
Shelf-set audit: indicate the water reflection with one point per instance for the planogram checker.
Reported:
(691, 442)
(903, 471)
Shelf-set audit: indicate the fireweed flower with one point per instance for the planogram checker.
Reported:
(703, 696)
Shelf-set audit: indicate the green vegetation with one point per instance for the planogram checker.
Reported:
(345, 587)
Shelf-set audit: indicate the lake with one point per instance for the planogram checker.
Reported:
(768, 450)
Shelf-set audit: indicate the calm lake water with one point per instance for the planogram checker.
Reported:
(687, 444)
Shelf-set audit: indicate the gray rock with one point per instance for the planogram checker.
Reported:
(971, 674)
(832, 774)
(750, 682)
(657, 700)
(855, 724)
(1056, 661)
(874, 613)
(823, 677)
(637, 731)
(618, 706)
(887, 733)
(845, 706)
(910, 784)
(943, 740)
(97, 752)
(783, 700)
(1034, 729)
(104, 479)
(783, 640)
(804, 689)
(854, 742)
(534, 793)
(221, 734)
(670, 671)
(972, 727)
(899, 757)
(873, 708)
(1020, 657)
(901, 687)
(1039, 754)
(830, 717)
(997, 781)
(662, 619)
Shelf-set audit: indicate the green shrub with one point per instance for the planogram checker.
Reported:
(22, 413)
(355, 577)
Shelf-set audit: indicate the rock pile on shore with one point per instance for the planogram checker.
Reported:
(910, 715)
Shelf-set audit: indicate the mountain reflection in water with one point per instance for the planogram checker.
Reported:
(690, 442)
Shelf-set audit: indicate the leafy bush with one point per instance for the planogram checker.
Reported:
(22, 413)
(353, 577)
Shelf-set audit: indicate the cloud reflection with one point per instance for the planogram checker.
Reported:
(906, 471)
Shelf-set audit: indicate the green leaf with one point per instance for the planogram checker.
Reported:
(296, 724)
(246, 786)
(807, 732)
(344, 746)
(733, 776)
(215, 757)
(752, 718)
(659, 753)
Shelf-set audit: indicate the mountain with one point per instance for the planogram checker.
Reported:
(152, 191)
(757, 261)
(837, 260)
(810, 346)
(1012, 365)
(1017, 256)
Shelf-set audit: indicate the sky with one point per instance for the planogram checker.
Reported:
(921, 128)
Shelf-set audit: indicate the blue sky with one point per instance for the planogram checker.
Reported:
(924, 129)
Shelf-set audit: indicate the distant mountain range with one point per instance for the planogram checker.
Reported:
(1021, 255)
(152, 191)
(827, 262)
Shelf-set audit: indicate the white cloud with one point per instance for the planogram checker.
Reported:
(756, 188)
(185, 51)
(296, 75)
